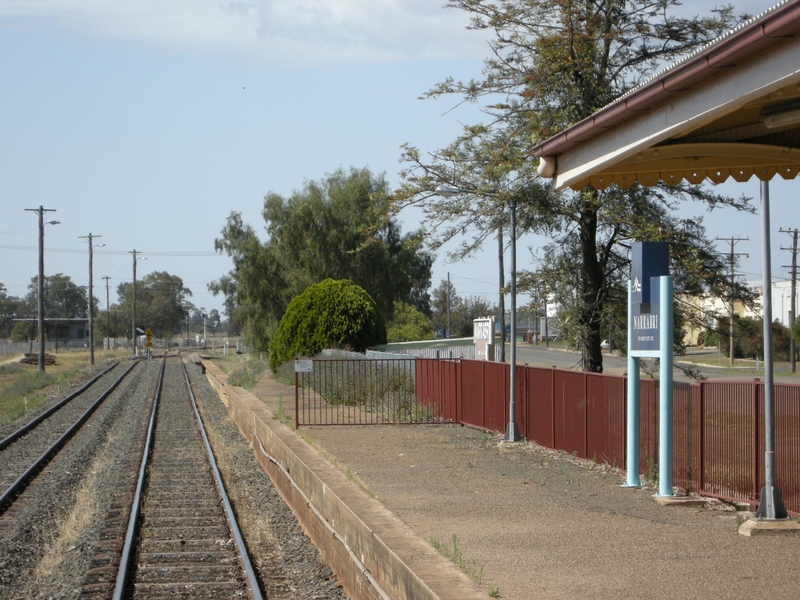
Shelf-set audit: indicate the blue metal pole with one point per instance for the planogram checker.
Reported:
(632, 454)
(665, 388)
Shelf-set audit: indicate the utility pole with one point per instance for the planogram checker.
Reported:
(792, 304)
(90, 237)
(733, 255)
(108, 317)
(40, 211)
(133, 307)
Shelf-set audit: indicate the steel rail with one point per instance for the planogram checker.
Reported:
(53, 450)
(136, 509)
(244, 557)
(26, 428)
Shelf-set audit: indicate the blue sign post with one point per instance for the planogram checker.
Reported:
(650, 320)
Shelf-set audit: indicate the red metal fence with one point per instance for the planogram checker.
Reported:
(718, 438)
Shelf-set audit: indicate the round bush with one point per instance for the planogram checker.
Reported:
(330, 314)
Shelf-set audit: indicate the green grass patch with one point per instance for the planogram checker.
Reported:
(22, 385)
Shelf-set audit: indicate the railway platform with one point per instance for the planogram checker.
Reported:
(517, 521)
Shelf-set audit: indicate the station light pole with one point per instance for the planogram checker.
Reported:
(512, 429)
(40, 211)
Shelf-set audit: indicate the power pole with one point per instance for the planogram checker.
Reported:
(108, 317)
(133, 307)
(40, 211)
(733, 255)
(501, 306)
(90, 237)
(793, 250)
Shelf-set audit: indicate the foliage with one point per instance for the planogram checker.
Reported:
(247, 376)
(10, 307)
(748, 338)
(462, 310)
(330, 314)
(552, 64)
(160, 299)
(408, 324)
(21, 331)
(334, 228)
(63, 299)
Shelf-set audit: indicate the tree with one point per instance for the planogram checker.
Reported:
(462, 310)
(554, 63)
(329, 314)
(159, 303)
(408, 324)
(9, 308)
(333, 228)
(63, 299)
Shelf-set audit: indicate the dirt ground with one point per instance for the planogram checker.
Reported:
(534, 523)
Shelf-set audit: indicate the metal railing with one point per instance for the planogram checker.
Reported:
(361, 392)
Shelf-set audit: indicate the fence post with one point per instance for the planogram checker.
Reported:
(585, 415)
(296, 403)
(756, 488)
(701, 423)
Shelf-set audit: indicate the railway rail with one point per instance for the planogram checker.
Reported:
(182, 538)
(25, 452)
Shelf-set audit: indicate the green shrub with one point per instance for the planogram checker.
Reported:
(330, 314)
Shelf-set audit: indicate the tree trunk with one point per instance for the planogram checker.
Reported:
(592, 277)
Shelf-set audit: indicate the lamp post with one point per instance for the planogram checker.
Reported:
(512, 430)
(133, 304)
(90, 237)
(40, 211)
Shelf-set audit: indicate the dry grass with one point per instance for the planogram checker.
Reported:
(73, 524)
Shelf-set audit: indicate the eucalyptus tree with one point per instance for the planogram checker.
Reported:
(337, 227)
(553, 63)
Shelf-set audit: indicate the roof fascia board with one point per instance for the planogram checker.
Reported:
(731, 89)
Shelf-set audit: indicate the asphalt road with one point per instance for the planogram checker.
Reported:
(743, 370)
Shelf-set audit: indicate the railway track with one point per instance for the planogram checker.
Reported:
(26, 451)
(182, 538)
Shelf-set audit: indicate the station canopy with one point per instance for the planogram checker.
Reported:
(730, 110)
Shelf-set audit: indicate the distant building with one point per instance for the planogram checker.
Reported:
(62, 330)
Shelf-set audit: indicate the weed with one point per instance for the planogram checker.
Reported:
(248, 376)
(565, 474)
(470, 567)
(485, 440)
(535, 478)
(281, 415)
(494, 592)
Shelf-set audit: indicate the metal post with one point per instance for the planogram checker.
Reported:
(133, 304)
(634, 416)
(512, 430)
(108, 317)
(665, 388)
(771, 505)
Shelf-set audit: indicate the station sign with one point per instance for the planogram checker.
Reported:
(483, 337)
(649, 262)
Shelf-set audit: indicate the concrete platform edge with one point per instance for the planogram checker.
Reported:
(403, 565)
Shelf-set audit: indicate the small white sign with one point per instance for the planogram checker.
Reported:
(303, 365)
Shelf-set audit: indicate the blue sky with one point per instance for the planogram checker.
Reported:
(148, 122)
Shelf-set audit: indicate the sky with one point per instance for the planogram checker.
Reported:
(147, 122)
